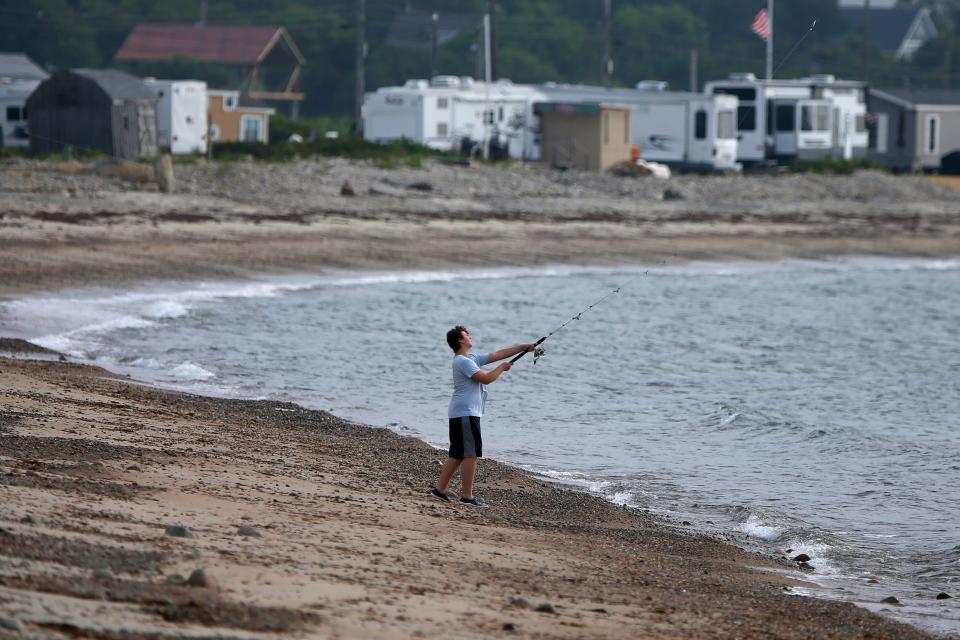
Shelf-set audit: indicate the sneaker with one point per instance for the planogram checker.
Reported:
(474, 502)
(440, 495)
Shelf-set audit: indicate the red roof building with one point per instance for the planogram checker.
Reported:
(247, 47)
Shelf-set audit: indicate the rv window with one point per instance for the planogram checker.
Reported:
(746, 118)
(500, 114)
(933, 143)
(700, 125)
(442, 129)
(823, 118)
(787, 117)
(13, 114)
(806, 118)
(743, 93)
(726, 127)
(442, 103)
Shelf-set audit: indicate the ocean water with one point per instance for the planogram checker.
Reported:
(802, 405)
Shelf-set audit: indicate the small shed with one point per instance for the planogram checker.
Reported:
(235, 117)
(913, 129)
(589, 136)
(95, 109)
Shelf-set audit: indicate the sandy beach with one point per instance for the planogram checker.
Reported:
(132, 512)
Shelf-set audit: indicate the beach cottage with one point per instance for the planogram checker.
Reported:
(93, 110)
(913, 129)
(235, 117)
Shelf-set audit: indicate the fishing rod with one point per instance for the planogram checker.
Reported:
(538, 352)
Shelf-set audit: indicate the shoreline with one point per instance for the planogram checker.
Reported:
(100, 495)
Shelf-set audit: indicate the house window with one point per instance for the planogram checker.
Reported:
(786, 118)
(249, 129)
(229, 103)
(860, 123)
(443, 103)
(15, 114)
(700, 125)
(442, 129)
(214, 132)
(933, 134)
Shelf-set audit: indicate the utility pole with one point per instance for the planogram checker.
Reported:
(694, 64)
(864, 52)
(361, 54)
(492, 40)
(488, 78)
(434, 25)
(607, 46)
(770, 40)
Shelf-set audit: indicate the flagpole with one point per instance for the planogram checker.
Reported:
(770, 40)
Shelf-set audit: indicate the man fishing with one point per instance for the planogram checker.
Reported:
(466, 408)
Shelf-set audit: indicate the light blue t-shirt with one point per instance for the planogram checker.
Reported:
(469, 395)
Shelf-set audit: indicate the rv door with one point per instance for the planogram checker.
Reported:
(783, 115)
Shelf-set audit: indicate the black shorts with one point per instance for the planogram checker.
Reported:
(465, 441)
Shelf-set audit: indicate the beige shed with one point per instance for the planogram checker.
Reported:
(583, 135)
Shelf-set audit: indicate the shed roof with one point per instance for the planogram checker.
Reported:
(887, 27)
(919, 96)
(117, 84)
(223, 45)
(19, 66)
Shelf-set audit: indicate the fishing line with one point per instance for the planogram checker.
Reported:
(537, 352)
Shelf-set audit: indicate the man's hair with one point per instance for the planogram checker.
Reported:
(454, 337)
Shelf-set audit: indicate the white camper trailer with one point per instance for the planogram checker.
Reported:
(181, 115)
(806, 118)
(19, 76)
(450, 113)
(688, 131)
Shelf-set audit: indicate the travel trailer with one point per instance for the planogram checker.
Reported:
(181, 115)
(19, 76)
(450, 113)
(806, 118)
(687, 131)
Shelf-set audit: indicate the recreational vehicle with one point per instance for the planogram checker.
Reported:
(688, 131)
(181, 115)
(807, 118)
(450, 112)
(19, 76)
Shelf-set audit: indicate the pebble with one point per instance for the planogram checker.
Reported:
(248, 530)
(522, 603)
(801, 558)
(10, 624)
(28, 520)
(943, 596)
(890, 600)
(199, 578)
(509, 626)
(545, 607)
(178, 531)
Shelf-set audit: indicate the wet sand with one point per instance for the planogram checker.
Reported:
(98, 472)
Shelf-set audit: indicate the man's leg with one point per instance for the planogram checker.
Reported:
(468, 473)
(449, 469)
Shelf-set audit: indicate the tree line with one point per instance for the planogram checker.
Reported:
(536, 41)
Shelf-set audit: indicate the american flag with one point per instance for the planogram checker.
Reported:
(761, 25)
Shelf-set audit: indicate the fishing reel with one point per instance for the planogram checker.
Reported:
(538, 353)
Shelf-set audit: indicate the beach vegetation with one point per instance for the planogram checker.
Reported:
(834, 166)
(391, 155)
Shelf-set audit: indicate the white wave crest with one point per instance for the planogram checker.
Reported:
(191, 371)
(756, 528)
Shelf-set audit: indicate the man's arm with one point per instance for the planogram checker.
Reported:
(486, 377)
(508, 352)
